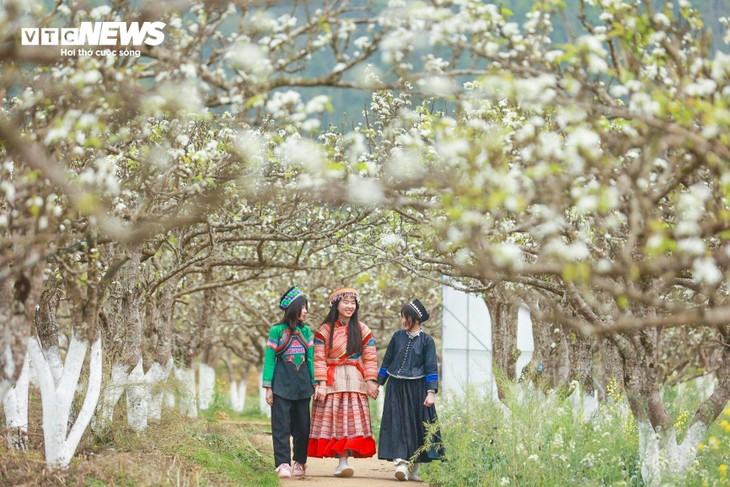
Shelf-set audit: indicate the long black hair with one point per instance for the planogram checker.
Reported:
(354, 333)
(291, 313)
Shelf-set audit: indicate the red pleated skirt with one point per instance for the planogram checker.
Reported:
(341, 422)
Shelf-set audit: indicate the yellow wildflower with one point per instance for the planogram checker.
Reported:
(681, 420)
(723, 469)
(725, 424)
(701, 446)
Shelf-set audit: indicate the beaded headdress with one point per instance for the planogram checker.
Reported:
(289, 296)
(420, 310)
(338, 294)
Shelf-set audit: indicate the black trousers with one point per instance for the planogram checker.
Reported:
(290, 418)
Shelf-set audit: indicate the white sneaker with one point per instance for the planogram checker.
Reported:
(344, 471)
(413, 474)
(401, 471)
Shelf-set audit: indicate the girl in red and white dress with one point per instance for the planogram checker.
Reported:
(346, 372)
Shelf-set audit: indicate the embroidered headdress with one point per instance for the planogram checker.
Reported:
(420, 310)
(289, 296)
(338, 294)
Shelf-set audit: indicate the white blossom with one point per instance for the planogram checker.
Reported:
(691, 246)
(540, 89)
(282, 104)
(691, 205)
(310, 124)
(569, 114)
(661, 19)
(9, 190)
(702, 87)
(365, 191)
(575, 251)
(507, 254)
(618, 91)
(362, 42)
(182, 139)
(251, 59)
(392, 240)
(438, 86)
(587, 203)
(454, 235)
(603, 265)
(317, 104)
(705, 271)
(188, 70)
(720, 66)
(100, 12)
(356, 146)
(655, 242)
(582, 142)
(463, 256)
(644, 104)
(296, 151)
(687, 228)
(404, 165)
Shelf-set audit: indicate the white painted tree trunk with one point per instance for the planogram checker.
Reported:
(156, 375)
(206, 386)
(138, 398)
(57, 398)
(238, 395)
(15, 405)
(661, 456)
(169, 399)
(263, 405)
(112, 392)
(186, 393)
(584, 405)
(53, 357)
(7, 384)
(649, 455)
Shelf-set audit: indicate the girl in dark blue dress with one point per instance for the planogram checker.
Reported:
(410, 368)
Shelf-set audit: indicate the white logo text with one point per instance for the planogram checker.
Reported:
(96, 34)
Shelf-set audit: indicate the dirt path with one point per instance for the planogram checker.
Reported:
(369, 472)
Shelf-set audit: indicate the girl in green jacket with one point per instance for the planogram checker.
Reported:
(289, 382)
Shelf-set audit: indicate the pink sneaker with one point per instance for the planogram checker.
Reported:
(283, 471)
(299, 470)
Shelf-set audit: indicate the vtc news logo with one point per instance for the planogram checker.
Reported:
(96, 34)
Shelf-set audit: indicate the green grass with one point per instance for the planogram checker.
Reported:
(543, 442)
(94, 482)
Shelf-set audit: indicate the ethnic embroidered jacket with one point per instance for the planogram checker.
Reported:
(411, 357)
(343, 373)
(289, 362)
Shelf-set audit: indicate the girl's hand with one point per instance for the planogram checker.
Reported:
(373, 389)
(430, 399)
(320, 392)
(269, 396)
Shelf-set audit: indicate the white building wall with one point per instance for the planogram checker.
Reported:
(467, 343)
